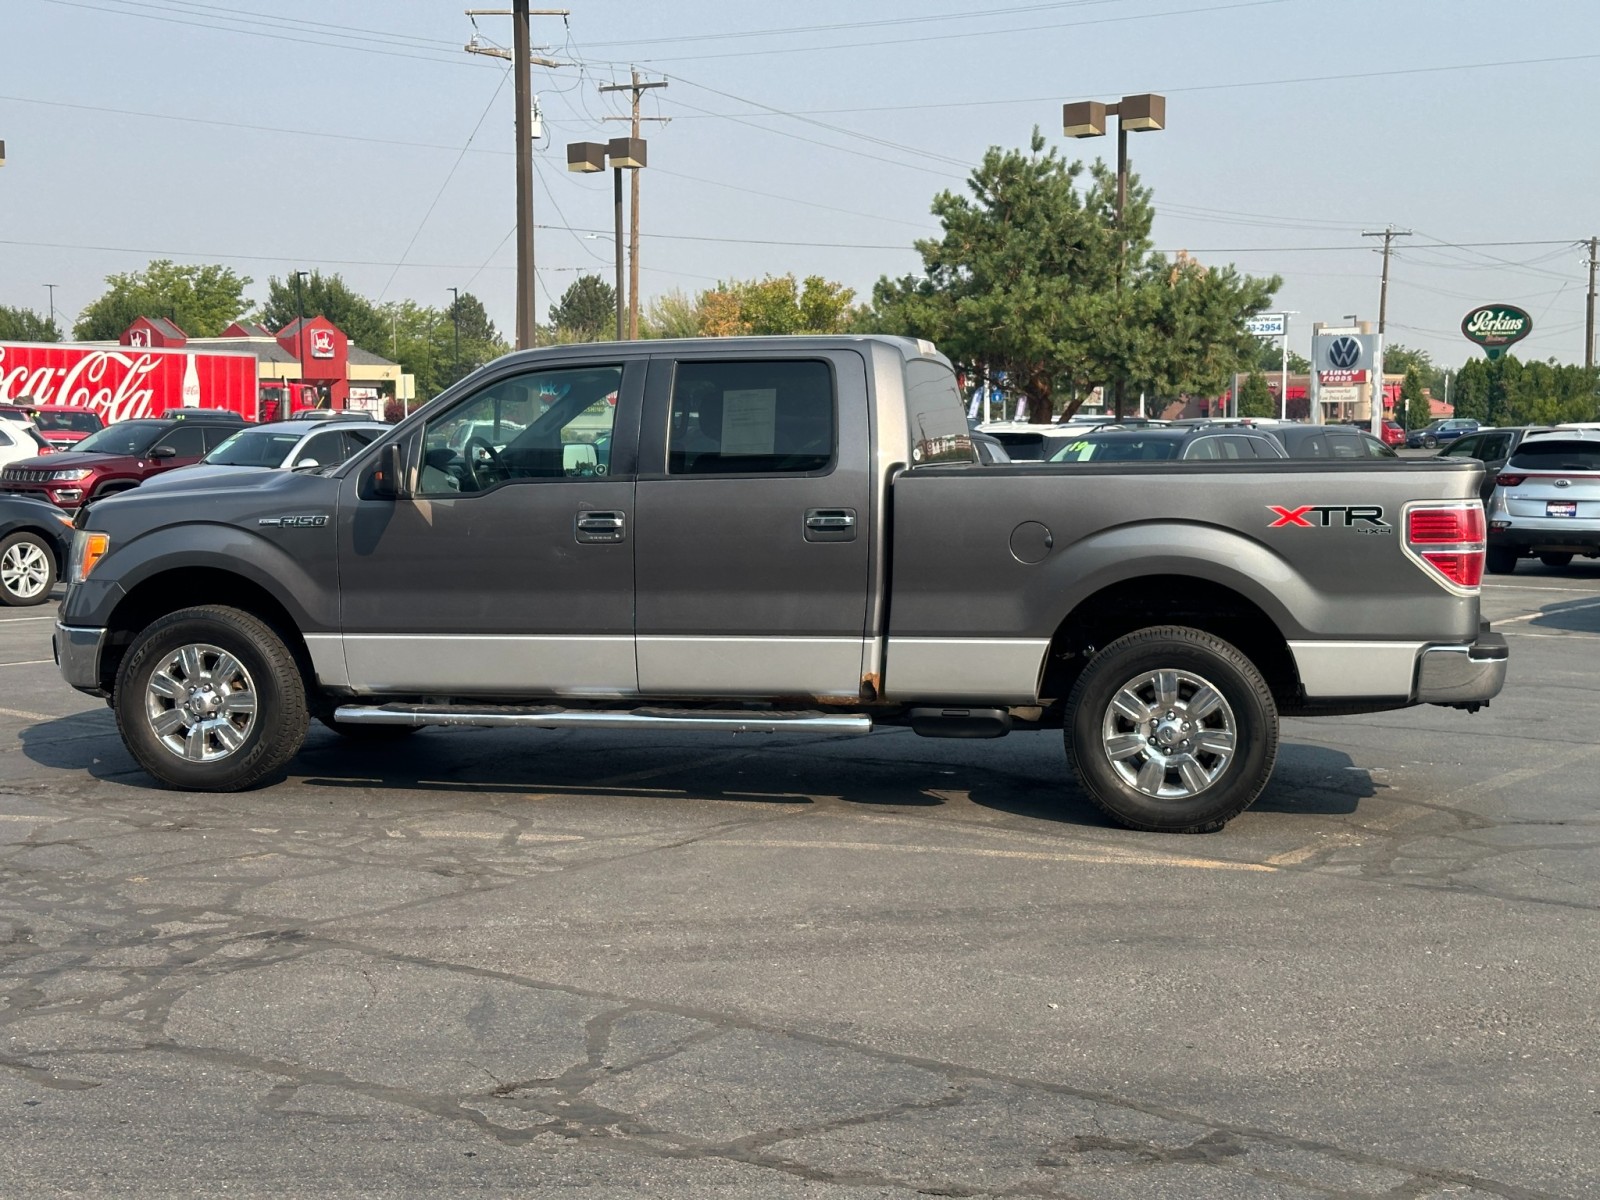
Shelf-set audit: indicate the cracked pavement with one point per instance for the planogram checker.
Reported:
(598, 965)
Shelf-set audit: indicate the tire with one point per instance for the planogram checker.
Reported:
(1429, 442)
(247, 681)
(1177, 789)
(27, 570)
(1501, 560)
(111, 489)
(1556, 560)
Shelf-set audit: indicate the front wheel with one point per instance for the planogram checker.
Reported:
(210, 700)
(1500, 560)
(1171, 730)
(27, 570)
(1429, 442)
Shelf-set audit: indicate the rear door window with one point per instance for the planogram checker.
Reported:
(772, 417)
(1557, 454)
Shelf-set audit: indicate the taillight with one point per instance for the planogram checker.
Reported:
(1448, 540)
(1507, 479)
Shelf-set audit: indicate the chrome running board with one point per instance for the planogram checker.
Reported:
(688, 720)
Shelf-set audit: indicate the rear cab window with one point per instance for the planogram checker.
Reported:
(938, 424)
(767, 417)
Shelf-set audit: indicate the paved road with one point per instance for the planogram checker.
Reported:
(714, 966)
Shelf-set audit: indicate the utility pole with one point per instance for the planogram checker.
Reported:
(455, 321)
(51, 288)
(522, 63)
(638, 88)
(1588, 324)
(1388, 235)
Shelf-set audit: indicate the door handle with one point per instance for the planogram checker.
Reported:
(600, 526)
(830, 524)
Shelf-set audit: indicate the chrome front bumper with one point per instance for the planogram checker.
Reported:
(77, 653)
(1463, 675)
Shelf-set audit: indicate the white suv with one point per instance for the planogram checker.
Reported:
(1546, 501)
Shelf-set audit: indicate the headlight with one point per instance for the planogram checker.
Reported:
(88, 548)
(67, 476)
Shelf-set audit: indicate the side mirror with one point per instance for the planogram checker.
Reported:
(163, 452)
(386, 477)
(305, 464)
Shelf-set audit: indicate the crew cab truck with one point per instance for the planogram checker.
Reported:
(768, 535)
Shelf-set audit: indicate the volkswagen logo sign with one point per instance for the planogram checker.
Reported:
(1344, 353)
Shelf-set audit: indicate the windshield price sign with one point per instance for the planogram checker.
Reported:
(1496, 327)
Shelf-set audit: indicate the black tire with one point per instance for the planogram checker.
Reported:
(1193, 655)
(1501, 560)
(372, 735)
(1429, 442)
(1556, 560)
(112, 489)
(274, 733)
(27, 570)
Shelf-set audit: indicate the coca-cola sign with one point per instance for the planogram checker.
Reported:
(123, 382)
(1496, 327)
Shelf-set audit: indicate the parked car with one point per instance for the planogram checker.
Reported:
(1201, 442)
(1441, 432)
(18, 414)
(34, 541)
(1326, 441)
(1025, 442)
(120, 457)
(18, 442)
(1546, 501)
(288, 445)
(1491, 447)
(991, 450)
(64, 426)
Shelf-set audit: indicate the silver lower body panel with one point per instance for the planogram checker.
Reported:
(680, 720)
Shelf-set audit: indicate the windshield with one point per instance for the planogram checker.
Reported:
(253, 448)
(125, 437)
(1118, 449)
(1557, 454)
(68, 422)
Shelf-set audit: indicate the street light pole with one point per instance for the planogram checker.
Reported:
(1142, 113)
(626, 154)
(300, 333)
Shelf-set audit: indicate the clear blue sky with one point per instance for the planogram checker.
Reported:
(320, 133)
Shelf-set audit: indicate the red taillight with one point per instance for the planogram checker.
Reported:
(1450, 541)
(1506, 479)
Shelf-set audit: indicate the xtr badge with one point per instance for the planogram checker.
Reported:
(1366, 517)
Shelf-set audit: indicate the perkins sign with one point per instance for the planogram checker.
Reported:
(1496, 327)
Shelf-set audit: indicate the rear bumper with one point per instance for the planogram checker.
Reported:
(1560, 535)
(1463, 675)
(77, 653)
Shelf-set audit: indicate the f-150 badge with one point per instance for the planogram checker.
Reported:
(313, 521)
(1310, 516)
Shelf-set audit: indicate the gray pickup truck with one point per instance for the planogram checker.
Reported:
(768, 535)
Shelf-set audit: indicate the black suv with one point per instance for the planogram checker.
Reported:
(1231, 443)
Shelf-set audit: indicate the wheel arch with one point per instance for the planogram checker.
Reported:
(1144, 601)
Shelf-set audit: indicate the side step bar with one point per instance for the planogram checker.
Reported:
(551, 717)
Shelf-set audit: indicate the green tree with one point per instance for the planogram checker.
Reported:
(1414, 399)
(361, 320)
(587, 310)
(479, 341)
(1470, 393)
(671, 315)
(203, 299)
(1270, 359)
(1255, 398)
(25, 325)
(1029, 277)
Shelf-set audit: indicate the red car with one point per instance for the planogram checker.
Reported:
(1392, 434)
(119, 457)
(64, 426)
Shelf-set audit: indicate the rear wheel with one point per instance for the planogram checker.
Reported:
(1501, 560)
(27, 570)
(211, 700)
(1171, 730)
(1556, 560)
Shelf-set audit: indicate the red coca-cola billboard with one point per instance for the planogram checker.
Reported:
(123, 382)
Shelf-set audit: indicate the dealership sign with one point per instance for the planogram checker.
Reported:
(1496, 327)
(1267, 325)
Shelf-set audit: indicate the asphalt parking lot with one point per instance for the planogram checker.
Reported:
(488, 962)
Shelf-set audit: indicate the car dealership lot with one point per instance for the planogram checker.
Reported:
(799, 966)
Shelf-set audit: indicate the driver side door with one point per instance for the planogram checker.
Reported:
(506, 566)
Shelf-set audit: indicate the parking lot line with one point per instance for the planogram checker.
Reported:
(23, 714)
(1531, 616)
(1533, 587)
(29, 662)
(19, 620)
(1110, 858)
